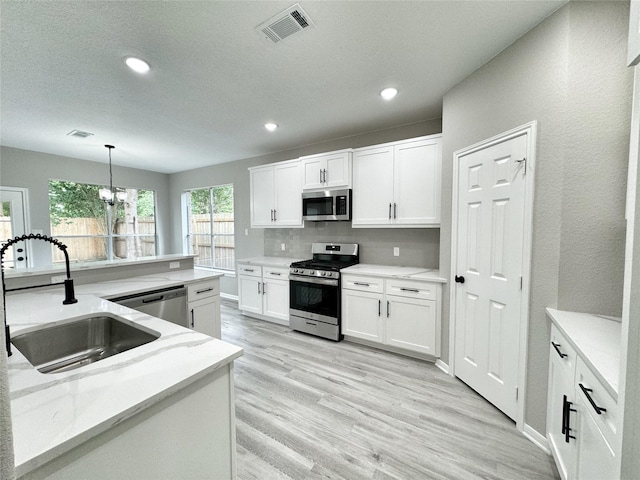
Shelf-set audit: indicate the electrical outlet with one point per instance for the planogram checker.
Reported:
(174, 264)
(58, 278)
(246, 231)
(396, 251)
(282, 247)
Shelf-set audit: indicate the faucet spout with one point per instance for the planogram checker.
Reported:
(69, 294)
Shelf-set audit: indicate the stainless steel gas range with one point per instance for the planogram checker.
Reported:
(314, 289)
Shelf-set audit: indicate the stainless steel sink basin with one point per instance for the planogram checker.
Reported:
(80, 342)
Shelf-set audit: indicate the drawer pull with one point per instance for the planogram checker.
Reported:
(204, 290)
(413, 290)
(275, 273)
(362, 284)
(586, 391)
(557, 347)
(248, 269)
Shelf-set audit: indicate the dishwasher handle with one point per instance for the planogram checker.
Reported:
(153, 300)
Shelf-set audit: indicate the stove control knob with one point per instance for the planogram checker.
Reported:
(324, 274)
(312, 272)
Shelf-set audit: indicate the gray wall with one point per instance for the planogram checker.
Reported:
(33, 170)
(259, 241)
(569, 74)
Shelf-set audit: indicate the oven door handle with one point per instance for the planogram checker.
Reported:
(318, 281)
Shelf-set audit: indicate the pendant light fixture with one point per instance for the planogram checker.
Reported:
(107, 195)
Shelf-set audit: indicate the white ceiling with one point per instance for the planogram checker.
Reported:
(215, 82)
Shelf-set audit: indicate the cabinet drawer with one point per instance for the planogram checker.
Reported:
(363, 284)
(605, 420)
(249, 270)
(563, 352)
(204, 289)
(412, 289)
(275, 273)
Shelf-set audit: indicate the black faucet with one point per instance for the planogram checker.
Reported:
(69, 295)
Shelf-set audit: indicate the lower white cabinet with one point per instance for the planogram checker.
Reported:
(581, 416)
(404, 314)
(263, 292)
(204, 307)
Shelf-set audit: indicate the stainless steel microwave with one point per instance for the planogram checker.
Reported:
(326, 205)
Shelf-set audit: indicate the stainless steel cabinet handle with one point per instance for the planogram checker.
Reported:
(204, 290)
(324, 175)
(321, 180)
(389, 211)
(379, 306)
(362, 284)
(274, 215)
(248, 269)
(192, 319)
(259, 292)
(387, 308)
(264, 288)
(395, 211)
(414, 290)
(275, 273)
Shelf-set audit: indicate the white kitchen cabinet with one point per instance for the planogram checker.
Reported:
(581, 416)
(263, 292)
(250, 288)
(327, 170)
(403, 314)
(361, 315)
(561, 409)
(275, 195)
(398, 184)
(204, 307)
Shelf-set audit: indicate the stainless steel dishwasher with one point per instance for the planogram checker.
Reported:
(166, 303)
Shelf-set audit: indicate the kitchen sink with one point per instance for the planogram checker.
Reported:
(80, 342)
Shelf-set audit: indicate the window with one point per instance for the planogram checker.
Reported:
(93, 230)
(210, 228)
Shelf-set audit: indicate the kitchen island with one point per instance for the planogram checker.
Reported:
(161, 410)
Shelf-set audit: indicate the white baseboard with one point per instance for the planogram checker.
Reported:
(442, 366)
(228, 296)
(537, 438)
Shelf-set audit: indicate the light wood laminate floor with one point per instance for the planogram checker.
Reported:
(308, 408)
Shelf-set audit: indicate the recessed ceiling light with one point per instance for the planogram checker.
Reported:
(137, 65)
(271, 126)
(388, 93)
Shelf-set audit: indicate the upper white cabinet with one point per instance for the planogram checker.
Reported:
(327, 170)
(276, 195)
(398, 184)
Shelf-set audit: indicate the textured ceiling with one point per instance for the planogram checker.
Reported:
(215, 82)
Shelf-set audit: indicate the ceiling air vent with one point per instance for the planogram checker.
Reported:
(284, 24)
(79, 133)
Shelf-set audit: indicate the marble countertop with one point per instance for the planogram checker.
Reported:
(596, 339)
(280, 262)
(53, 413)
(409, 273)
(58, 268)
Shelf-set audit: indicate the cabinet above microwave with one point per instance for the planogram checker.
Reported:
(326, 171)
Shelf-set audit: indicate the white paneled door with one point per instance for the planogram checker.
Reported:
(489, 268)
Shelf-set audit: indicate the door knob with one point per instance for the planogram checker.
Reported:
(459, 279)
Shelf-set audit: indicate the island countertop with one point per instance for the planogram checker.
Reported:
(53, 413)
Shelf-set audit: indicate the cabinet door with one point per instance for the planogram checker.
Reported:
(416, 190)
(372, 186)
(262, 196)
(362, 314)
(561, 389)
(596, 460)
(250, 294)
(288, 191)
(276, 298)
(337, 170)
(411, 324)
(205, 316)
(312, 173)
